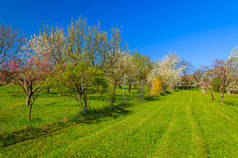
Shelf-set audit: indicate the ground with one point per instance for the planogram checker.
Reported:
(178, 124)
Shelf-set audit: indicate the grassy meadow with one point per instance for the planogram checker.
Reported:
(183, 123)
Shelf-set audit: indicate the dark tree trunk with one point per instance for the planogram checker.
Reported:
(85, 102)
(119, 85)
(31, 94)
(48, 90)
(79, 98)
(29, 116)
(129, 87)
(82, 97)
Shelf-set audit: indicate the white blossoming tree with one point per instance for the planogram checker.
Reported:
(168, 70)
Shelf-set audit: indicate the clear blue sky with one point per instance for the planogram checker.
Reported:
(199, 31)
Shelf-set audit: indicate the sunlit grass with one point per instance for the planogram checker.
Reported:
(179, 124)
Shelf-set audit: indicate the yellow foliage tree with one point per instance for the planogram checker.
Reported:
(156, 85)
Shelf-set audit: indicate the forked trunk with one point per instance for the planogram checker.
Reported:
(28, 100)
(79, 98)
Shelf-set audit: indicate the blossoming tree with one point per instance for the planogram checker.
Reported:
(168, 70)
(29, 73)
(225, 72)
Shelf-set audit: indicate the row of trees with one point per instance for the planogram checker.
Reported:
(221, 76)
(79, 60)
(83, 59)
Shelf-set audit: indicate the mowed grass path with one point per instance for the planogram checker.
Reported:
(180, 124)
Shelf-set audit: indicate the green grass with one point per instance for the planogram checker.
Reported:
(179, 124)
(48, 108)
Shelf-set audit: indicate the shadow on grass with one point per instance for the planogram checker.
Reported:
(158, 97)
(29, 132)
(113, 111)
(230, 103)
(51, 104)
(165, 93)
(151, 98)
(92, 116)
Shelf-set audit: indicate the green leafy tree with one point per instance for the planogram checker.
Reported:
(144, 67)
(112, 68)
(78, 79)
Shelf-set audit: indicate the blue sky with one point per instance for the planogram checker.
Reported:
(199, 31)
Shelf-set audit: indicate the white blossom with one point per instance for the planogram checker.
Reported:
(168, 70)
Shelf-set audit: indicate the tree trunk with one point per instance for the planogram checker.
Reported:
(48, 90)
(113, 92)
(212, 94)
(124, 80)
(29, 116)
(114, 88)
(222, 98)
(85, 102)
(119, 85)
(141, 92)
(79, 98)
(82, 94)
(222, 91)
(129, 87)
(28, 100)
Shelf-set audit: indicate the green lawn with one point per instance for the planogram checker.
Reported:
(179, 124)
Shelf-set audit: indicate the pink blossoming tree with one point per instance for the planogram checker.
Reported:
(29, 73)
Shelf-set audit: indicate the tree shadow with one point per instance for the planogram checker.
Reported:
(151, 98)
(165, 93)
(231, 103)
(50, 104)
(92, 116)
